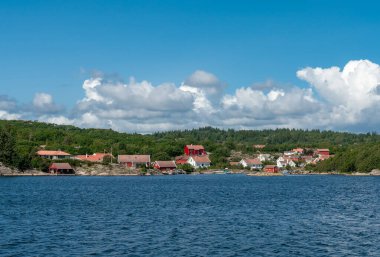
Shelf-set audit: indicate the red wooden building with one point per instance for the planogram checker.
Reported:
(164, 165)
(134, 161)
(181, 159)
(194, 150)
(271, 168)
(61, 168)
(322, 152)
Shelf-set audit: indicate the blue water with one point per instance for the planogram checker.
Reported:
(206, 215)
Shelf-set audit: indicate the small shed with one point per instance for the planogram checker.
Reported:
(61, 168)
(271, 168)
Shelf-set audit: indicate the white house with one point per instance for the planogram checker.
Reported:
(253, 164)
(284, 161)
(264, 157)
(199, 161)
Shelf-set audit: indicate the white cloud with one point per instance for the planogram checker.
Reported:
(349, 94)
(44, 103)
(344, 99)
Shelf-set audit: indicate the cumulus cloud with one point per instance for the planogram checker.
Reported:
(351, 94)
(343, 99)
(44, 103)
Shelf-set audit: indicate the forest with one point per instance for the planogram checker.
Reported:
(19, 141)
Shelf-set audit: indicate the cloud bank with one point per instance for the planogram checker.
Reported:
(339, 99)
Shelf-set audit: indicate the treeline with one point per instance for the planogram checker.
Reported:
(362, 158)
(29, 136)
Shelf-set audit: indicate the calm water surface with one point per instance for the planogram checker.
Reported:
(206, 215)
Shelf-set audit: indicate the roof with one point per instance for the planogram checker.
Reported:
(61, 166)
(55, 153)
(269, 166)
(182, 157)
(201, 159)
(134, 158)
(252, 161)
(195, 147)
(96, 157)
(323, 150)
(166, 164)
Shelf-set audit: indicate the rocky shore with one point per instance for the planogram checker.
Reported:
(117, 170)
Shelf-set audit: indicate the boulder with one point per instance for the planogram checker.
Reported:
(375, 172)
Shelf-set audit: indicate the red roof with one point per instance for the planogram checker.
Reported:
(96, 157)
(201, 159)
(270, 166)
(253, 161)
(166, 164)
(52, 153)
(134, 158)
(195, 147)
(60, 166)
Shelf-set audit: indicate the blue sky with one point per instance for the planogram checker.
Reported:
(52, 47)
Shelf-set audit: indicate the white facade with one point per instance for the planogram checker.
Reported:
(197, 164)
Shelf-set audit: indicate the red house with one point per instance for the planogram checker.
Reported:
(322, 152)
(61, 168)
(134, 161)
(194, 150)
(164, 165)
(271, 168)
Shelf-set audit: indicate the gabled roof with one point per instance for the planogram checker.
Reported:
(61, 166)
(323, 150)
(96, 157)
(255, 161)
(269, 166)
(201, 159)
(134, 158)
(166, 164)
(195, 147)
(51, 153)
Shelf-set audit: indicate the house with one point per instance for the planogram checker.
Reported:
(253, 164)
(264, 157)
(199, 161)
(53, 155)
(134, 161)
(96, 157)
(284, 161)
(270, 168)
(180, 160)
(298, 150)
(164, 165)
(258, 146)
(190, 150)
(61, 168)
(320, 152)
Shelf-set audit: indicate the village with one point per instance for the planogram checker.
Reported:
(194, 160)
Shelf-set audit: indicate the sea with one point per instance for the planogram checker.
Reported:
(190, 215)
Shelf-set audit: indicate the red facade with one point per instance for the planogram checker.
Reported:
(194, 150)
(271, 168)
(323, 152)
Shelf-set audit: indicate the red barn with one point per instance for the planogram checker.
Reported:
(194, 150)
(271, 168)
(164, 165)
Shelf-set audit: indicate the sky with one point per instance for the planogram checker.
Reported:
(145, 66)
